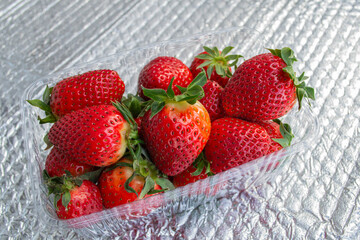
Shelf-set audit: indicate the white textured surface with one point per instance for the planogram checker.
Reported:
(315, 198)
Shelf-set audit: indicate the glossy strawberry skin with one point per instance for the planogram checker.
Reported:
(222, 81)
(259, 90)
(273, 129)
(93, 135)
(212, 100)
(91, 88)
(85, 200)
(159, 72)
(112, 185)
(57, 162)
(234, 142)
(176, 135)
(185, 177)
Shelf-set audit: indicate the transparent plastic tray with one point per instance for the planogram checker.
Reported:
(154, 211)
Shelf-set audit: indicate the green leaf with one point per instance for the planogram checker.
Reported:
(127, 185)
(149, 184)
(47, 141)
(286, 133)
(233, 57)
(216, 50)
(220, 71)
(210, 71)
(170, 91)
(300, 92)
(40, 104)
(288, 56)
(66, 198)
(290, 71)
(226, 50)
(199, 169)
(165, 183)
(48, 119)
(156, 107)
(156, 94)
(182, 89)
(92, 176)
(209, 50)
(310, 92)
(200, 80)
(204, 56)
(46, 95)
(276, 52)
(204, 64)
(57, 197)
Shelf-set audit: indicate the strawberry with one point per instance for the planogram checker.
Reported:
(212, 100)
(234, 142)
(97, 87)
(57, 163)
(200, 169)
(73, 197)
(93, 135)
(159, 71)
(113, 185)
(213, 59)
(176, 128)
(265, 87)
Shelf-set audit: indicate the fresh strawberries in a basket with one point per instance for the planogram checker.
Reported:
(88, 89)
(265, 87)
(110, 150)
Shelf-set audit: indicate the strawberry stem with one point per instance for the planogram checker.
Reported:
(220, 62)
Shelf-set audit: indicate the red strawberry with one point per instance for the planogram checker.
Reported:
(74, 197)
(200, 169)
(212, 100)
(213, 59)
(279, 133)
(234, 142)
(122, 183)
(84, 200)
(112, 185)
(265, 87)
(57, 162)
(94, 135)
(159, 71)
(177, 128)
(88, 89)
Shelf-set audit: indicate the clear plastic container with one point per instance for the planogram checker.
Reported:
(148, 216)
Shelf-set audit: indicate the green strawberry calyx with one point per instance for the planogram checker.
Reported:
(61, 186)
(190, 94)
(44, 105)
(286, 133)
(302, 91)
(142, 164)
(200, 163)
(218, 61)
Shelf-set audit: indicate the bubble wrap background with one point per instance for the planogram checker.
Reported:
(317, 197)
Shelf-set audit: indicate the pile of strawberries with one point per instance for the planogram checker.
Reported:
(183, 125)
